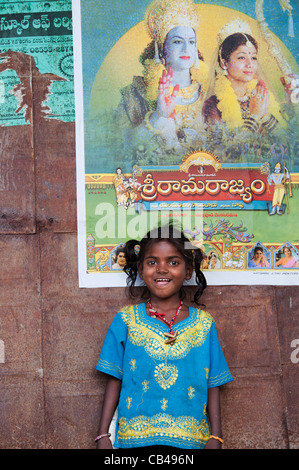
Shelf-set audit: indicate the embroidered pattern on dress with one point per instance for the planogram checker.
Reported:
(164, 404)
(191, 392)
(145, 385)
(181, 427)
(219, 379)
(129, 402)
(133, 364)
(166, 375)
(153, 340)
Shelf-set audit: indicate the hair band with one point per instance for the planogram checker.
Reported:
(137, 249)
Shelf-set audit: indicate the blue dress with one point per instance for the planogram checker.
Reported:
(164, 388)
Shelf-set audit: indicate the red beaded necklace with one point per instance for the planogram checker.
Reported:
(171, 336)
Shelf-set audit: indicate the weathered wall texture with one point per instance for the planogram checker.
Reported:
(51, 331)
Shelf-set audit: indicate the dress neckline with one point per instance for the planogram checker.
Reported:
(155, 323)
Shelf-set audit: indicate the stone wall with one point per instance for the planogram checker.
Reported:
(51, 331)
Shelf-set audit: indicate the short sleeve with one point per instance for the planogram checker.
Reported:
(112, 354)
(219, 372)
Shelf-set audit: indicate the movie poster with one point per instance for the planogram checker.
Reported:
(188, 111)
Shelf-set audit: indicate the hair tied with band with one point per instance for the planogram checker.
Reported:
(137, 249)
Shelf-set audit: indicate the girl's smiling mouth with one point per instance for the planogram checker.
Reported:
(162, 281)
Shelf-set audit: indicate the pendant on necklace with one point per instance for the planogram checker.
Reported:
(170, 337)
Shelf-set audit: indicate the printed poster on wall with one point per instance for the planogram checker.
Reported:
(36, 62)
(188, 111)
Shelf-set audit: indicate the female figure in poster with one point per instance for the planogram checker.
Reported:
(240, 100)
(288, 261)
(258, 260)
(214, 262)
(174, 77)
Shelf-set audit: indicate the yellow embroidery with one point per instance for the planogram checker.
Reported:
(166, 375)
(133, 364)
(153, 340)
(164, 404)
(145, 385)
(191, 392)
(183, 427)
(204, 408)
(207, 370)
(129, 402)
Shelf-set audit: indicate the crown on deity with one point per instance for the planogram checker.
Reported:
(234, 26)
(163, 15)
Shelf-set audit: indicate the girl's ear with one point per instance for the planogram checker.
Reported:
(189, 272)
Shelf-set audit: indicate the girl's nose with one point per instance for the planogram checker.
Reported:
(161, 267)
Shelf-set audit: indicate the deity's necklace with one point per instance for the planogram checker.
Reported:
(171, 336)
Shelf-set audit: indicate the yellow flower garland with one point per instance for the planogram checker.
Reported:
(230, 108)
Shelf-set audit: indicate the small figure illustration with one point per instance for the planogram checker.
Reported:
(258, 259)
(119, 258)
(287, 260)
(279, 177)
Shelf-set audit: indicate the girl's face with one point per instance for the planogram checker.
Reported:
(164, 270)
(180, 48)
(242, 64)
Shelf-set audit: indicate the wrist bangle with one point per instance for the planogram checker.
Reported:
(217, 438)
(100, 436)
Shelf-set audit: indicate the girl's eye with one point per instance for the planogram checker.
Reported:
(173, 263)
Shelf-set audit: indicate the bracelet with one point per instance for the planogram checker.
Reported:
(218, 438)
(102, 435)
(251, 123)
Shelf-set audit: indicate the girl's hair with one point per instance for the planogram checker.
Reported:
(135, 252)
(232, 42)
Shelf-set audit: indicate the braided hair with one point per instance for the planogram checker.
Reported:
(136, 250)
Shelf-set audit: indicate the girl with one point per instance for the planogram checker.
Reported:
(163, 358)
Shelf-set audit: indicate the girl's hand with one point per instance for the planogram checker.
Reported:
(166, 100)
(213, 444)
(104, 443)
(259, 100)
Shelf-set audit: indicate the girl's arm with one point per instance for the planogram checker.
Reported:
(110, 403)
(213, 411)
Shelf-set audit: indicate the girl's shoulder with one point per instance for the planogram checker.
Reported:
(201, 315)
(128, 312)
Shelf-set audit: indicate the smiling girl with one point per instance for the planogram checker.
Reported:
(162, 356)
